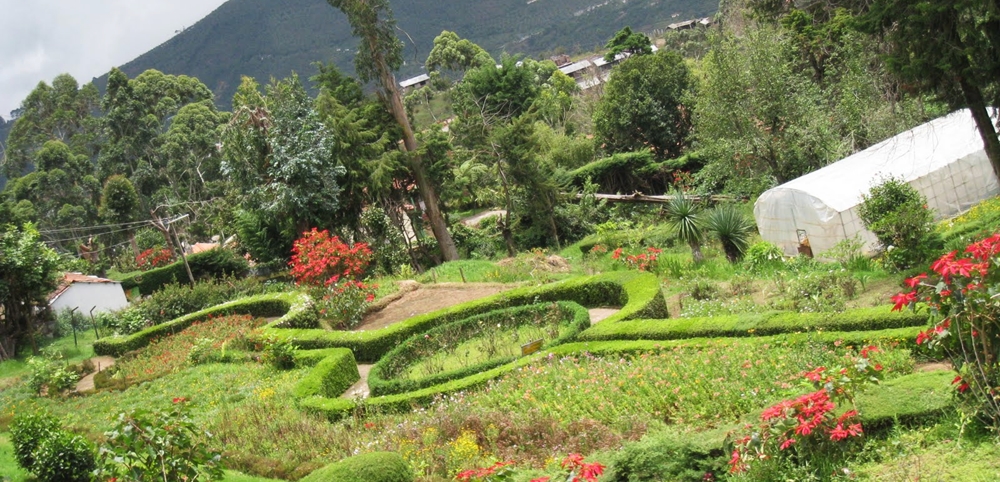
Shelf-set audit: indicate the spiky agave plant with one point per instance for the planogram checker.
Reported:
(732, 228)
(683, 214)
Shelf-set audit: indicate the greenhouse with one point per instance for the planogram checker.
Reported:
(943, 159)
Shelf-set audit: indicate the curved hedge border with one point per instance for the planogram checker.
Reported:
(334, 371)
(335, 409)
(862, 319)
(637, 293)
(380, 382)
(293, 308)
(370, 467)
(215, 263)
(909, 399)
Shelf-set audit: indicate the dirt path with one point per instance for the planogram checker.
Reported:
(427, 299)
(474, 220)
(360, 388)
(599, 314)
(101, 363)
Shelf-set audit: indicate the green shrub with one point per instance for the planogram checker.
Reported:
(818, 291)
(50, 372)
(214, 263)
(763, 257)
(159, 445)
(123, 322)
(27, 431)
(625, 173)
(898, 216)
(279, 354)
(331, 376)
(671, 456)
(63, 457)
(370, 467)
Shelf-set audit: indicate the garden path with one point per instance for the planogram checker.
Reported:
(474, 220)
(599, 314)
(101, 363)
(360, 388)
(428, 298)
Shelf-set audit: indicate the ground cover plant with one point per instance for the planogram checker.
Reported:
(202, 342)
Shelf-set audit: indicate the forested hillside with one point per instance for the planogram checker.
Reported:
(265, 39)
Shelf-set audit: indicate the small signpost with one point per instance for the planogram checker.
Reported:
(531, 347)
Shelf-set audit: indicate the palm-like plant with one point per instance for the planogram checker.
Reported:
(683, 214)
(732, 228)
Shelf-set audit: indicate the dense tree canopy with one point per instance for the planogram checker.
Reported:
(645, 106)
(27, 276)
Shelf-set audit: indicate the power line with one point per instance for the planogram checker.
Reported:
(61, 230)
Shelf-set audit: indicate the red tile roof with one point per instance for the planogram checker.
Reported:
(70, 278)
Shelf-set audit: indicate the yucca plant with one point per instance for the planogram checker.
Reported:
(683, 214)
(732, 228)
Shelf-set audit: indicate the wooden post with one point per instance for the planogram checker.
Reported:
(180, 246)
(72, 324)
(463, 275)
(97, 336)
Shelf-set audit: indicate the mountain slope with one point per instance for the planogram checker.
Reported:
(267, 38)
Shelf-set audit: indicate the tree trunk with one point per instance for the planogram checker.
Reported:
(135, 245)
(696, 252)
(427, 192)
(974, 98)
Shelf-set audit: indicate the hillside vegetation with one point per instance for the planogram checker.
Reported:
(265, 39)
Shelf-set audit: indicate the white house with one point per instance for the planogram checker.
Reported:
(87, 292)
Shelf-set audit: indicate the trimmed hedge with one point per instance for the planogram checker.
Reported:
(335, 409)
(754, 324)
(370, 467)
(637, 293)
(214, 263)
(912, 398)
(382, 382)
(297, 307)
(686, 456)
(334, 371)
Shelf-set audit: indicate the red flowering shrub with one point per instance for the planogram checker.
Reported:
(643, 261)
(578, 470)
(153, 258)
(809, 424)
(961, 295)
(332, 269)
(319, 259)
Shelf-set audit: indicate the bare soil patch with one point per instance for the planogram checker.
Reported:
(428, 298)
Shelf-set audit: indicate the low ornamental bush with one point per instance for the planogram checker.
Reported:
(807, 428)
(370, 467)
(158, 445)
(332, 269)
(960, 295)
(574, 469)
(52, 454)
(153, 258)
(26, 432)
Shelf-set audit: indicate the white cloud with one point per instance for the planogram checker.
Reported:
(40, 39)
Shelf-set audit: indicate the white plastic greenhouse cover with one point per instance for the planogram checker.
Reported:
(943, 159)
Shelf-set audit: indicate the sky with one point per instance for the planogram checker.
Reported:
(40, 39)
